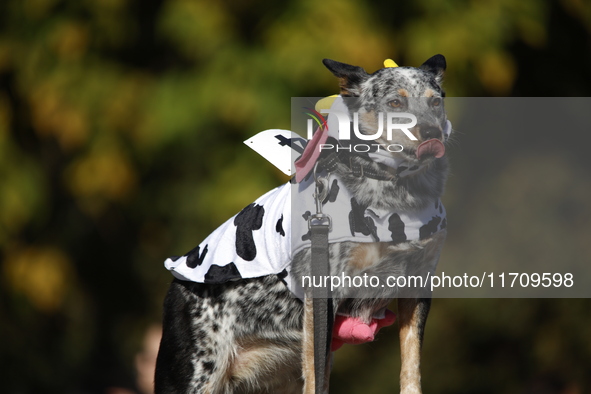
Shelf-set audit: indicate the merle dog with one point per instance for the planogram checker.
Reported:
(252, 335)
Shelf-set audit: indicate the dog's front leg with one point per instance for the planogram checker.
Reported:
(412, 317)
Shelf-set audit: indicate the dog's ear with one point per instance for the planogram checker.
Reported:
(435, 65)
(350, 77)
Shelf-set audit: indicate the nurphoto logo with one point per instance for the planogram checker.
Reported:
(344, 129)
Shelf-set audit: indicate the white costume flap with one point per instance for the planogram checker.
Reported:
(280, 147)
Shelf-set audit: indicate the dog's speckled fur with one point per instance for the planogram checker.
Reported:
(253, 336)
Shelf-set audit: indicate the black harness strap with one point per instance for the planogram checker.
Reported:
(358, 165)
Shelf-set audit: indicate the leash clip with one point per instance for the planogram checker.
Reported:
(320, 220)
(320, 193)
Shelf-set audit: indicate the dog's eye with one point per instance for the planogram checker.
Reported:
(395, 103)
(436, 102)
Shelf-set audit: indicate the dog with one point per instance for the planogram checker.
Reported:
(228, 332)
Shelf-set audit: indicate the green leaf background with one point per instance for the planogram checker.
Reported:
(121, 129)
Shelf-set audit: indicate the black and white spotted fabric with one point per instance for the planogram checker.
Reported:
(352, 221)
(256, 242)
(263, 237)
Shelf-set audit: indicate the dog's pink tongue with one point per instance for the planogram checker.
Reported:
(431, 147)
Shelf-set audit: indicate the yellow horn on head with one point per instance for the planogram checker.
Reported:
(390, 63)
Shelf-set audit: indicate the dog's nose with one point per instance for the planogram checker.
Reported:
(429, 132)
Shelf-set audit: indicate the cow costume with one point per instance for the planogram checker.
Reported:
(262, 239)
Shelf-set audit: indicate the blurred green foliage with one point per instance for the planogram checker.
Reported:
(121, 129)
